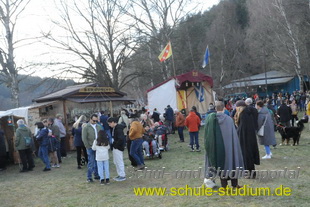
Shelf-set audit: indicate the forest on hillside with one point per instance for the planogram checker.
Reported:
(245, 37)
(95, 44)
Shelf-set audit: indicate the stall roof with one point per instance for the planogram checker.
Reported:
(273, 77)
(71, 91)
(193, 76)
(101, 99)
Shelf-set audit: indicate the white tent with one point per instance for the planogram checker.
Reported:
(19, 112)
(182, 92)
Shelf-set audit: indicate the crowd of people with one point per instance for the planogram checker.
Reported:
(231, 131)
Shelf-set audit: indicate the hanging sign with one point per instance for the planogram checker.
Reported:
(96, 89)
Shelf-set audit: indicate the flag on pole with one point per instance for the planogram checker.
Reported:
(199, 92)
(206, 58)
(166, 53)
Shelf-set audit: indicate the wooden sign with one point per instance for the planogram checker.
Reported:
(96, 89)
(194, 73)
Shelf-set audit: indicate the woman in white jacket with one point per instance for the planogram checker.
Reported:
(101, 146)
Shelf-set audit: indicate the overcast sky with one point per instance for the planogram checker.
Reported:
(36, 18)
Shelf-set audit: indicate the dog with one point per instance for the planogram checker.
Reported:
(292, 132)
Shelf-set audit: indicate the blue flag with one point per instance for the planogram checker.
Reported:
(199, 92)
(206, 58)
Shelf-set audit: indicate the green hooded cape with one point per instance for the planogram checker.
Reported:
(214, 143)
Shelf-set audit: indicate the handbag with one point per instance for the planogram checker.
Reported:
(261, 130)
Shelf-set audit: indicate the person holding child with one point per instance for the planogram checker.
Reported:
(101, 146)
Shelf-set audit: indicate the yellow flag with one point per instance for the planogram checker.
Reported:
(166, 53)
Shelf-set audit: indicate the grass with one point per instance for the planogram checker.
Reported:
(67, 185)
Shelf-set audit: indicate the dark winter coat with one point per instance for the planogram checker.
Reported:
(77, 133)
(169, 114)
(42, 137)
(103, 121)
(119, 137)
(2, 144)
(155, 116)
(247, 136)
(285, 113)
(269, 136)
(254, 116)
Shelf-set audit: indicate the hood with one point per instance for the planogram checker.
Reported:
(120, 126)
(221, 117)
(264, 110)
(23, 128)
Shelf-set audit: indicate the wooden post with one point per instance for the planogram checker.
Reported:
(65, 114)
(111, 109)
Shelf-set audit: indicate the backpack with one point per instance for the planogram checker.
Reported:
(28, 141)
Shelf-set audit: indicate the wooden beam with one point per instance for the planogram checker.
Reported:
(111, 109)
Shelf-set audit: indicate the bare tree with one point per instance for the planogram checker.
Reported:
(97, 36)
(292, 46)
(10, 11)
(156, 21)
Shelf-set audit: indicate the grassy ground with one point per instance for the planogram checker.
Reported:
(67, 186)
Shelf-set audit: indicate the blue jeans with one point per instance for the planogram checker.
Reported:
(267, 148)
(194, 138)
(136, 151)
(103, 167)
(58, 150)
(43, 154)
(92, 164)
(180, 132)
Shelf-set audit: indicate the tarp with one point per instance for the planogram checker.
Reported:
(164, 95)
(19, 112)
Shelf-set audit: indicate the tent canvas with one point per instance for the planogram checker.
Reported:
(182, 92)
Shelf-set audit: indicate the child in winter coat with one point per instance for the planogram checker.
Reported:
(101, 146)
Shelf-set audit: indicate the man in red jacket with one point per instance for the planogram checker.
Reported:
(192, 122)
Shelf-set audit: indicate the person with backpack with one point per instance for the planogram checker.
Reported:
(23, 143)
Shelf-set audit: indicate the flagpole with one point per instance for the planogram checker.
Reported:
(172, 60)
(210, 66)
(173, 64)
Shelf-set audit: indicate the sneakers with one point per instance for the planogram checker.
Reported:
(102, 182)
(156, 154)
(270, 153)
(209, 183)
(120, 178)
(147, 154)
(79, 167)
(107, 181)
(97, 177)
(140, 167)
(192, 150)
(46, 169)
(266, 157)
(89, 180)
(117, 177)
(58, 166)
(198, 150)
